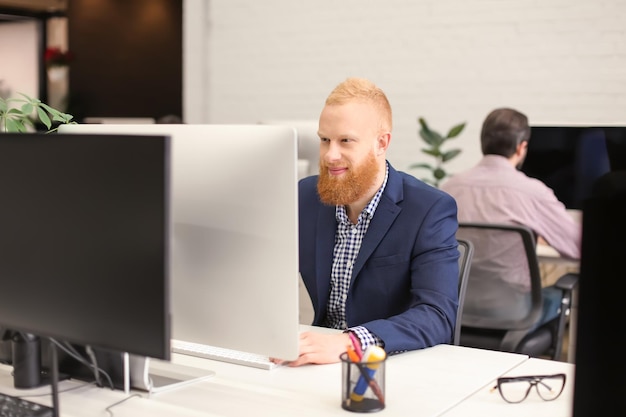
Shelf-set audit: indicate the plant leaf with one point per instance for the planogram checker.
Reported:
(19, 119)
(431, 137)
(27, 108)
(62, 117)
(33, 101)
(423, 123)
(43, 116)
(455, 131)
(49, 109)
(15, 126)
(450, 154)
(434, 152)
(57, 115)
(422, 165)
(434, 140)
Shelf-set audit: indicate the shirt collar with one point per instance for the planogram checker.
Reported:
(496, 160)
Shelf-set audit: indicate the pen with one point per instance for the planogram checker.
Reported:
(356, 343)
(371, 354)
(352, 354)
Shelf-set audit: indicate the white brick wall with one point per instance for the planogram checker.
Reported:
(447, 60)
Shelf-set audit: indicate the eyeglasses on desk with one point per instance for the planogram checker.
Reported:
(516, 389)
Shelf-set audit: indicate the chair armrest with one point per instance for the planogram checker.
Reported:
(567, 282)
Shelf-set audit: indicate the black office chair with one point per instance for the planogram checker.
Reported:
(466, 250)
(503, 300)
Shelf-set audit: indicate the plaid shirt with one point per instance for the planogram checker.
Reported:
(347, 245)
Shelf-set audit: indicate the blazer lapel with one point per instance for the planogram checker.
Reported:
(384, 216)
(325, 245)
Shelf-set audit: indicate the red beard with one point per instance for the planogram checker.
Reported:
(351, 186)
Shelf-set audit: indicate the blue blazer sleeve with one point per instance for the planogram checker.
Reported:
(404, 286)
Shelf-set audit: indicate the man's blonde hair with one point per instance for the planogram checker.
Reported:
(361, 89)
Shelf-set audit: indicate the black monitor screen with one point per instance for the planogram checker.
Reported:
(84, 239)
(569, 159)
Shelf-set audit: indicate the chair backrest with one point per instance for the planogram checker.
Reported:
(504, 285)
(466, 250)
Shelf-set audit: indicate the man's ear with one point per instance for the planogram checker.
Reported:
(522, 148)
(382, 143)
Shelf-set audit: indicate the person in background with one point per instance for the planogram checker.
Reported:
(495, 191)
(378, 252)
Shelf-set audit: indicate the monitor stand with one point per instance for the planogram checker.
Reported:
(26, 361)
(154, 375)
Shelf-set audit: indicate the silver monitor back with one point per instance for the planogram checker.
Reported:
(308, 143)
(234, 272)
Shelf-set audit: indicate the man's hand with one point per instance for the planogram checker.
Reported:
(320, 348)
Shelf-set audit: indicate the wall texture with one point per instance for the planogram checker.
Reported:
(447, 60)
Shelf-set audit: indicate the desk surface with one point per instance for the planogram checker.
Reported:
(427, 382)
(487, 403)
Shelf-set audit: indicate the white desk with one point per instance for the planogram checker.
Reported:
(427, 382)
(419, 383)
(487, 403)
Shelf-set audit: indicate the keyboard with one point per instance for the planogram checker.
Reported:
(11, 406)
(221, 354)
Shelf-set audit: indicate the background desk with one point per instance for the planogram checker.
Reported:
(487, 403)
(427, 382)
(546, 254)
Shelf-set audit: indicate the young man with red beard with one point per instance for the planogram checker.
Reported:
(378, 252)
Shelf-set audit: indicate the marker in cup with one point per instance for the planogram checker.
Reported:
(363, 381)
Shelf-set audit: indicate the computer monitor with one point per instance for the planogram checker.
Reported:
(569, 159)
(234, 234)
(84, 240)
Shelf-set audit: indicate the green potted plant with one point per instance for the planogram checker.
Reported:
(22, 113)
(435, 141)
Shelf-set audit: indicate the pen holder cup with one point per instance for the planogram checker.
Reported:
(362, 385)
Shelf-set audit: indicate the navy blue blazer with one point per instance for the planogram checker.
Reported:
(404, 284)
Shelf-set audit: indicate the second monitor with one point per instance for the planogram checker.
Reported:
(234, 272)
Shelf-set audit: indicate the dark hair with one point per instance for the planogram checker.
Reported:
(502, 131)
